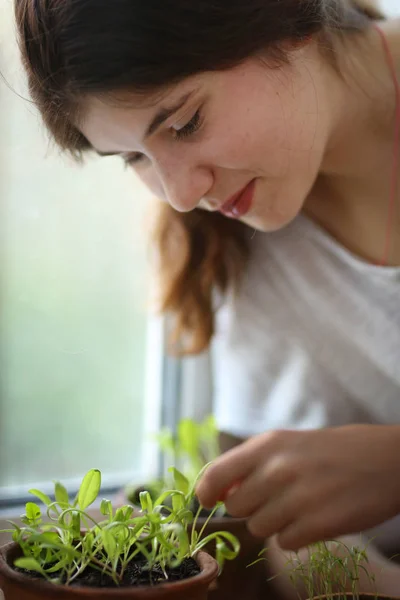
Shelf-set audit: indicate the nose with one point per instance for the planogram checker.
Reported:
(184, 185)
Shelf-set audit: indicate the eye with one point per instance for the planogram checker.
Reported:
(133, 159)
(190, 128)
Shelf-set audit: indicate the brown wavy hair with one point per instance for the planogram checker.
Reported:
(72, 48)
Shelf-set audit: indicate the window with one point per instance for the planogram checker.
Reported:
(391, 7)
(80, 360)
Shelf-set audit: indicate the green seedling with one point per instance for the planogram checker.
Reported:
(330, 569)
(191, 540)
(62, 543)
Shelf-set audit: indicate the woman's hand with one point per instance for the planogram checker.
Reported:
(308, 486)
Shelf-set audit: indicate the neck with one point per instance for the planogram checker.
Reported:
(351, 197)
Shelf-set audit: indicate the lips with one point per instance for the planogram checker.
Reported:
(239, 204)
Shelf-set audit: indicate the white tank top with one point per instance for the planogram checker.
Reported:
(311, 339)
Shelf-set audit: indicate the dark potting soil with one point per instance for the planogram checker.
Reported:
(136, 573)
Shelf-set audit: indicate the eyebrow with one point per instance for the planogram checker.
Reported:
(160, 118)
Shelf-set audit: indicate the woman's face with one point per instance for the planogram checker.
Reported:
(248, 141)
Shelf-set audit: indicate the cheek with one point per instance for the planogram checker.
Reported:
(256, 139)
(238, 146)
(288, 134)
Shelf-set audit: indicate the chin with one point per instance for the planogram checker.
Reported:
(270, 224)
(282, 207)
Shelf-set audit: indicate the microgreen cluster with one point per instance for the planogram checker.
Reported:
(61, 544)
(329, 569)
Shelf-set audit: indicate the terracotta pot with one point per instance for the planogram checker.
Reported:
(17, 586)
(237, 580)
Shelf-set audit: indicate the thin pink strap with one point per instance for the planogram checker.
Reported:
(396, 151)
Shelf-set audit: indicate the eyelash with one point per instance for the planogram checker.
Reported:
(178, 134)
(190, 128)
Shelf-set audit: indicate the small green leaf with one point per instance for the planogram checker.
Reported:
(146, 502)
(50, 536)
(76, 524)
(30, 564)
(188, 436)
(32, 511)
(154, 519)
(119, 515)
(16, 536)
(178, 502)
(106, 508)
(184, 542)
(224, 551)
(109, 543)
(123, 514)
(138, 526)
(7, 531)
(88, 541)
(61, 564)
(194, 537)
(61, 494)
(181, 482)
(121, 533)
(42, 497)
(160, 501)
(89, 489)
(127, 512)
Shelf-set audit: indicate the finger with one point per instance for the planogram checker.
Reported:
(292, 501)
(229, 470)
(327, 517)
(269, 520)
(310, 528)
(264, 483)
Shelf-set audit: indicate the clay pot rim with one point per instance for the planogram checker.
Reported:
(208, 565)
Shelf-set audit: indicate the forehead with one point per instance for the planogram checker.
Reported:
(122, 118)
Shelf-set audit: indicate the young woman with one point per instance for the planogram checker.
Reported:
(271, 132)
